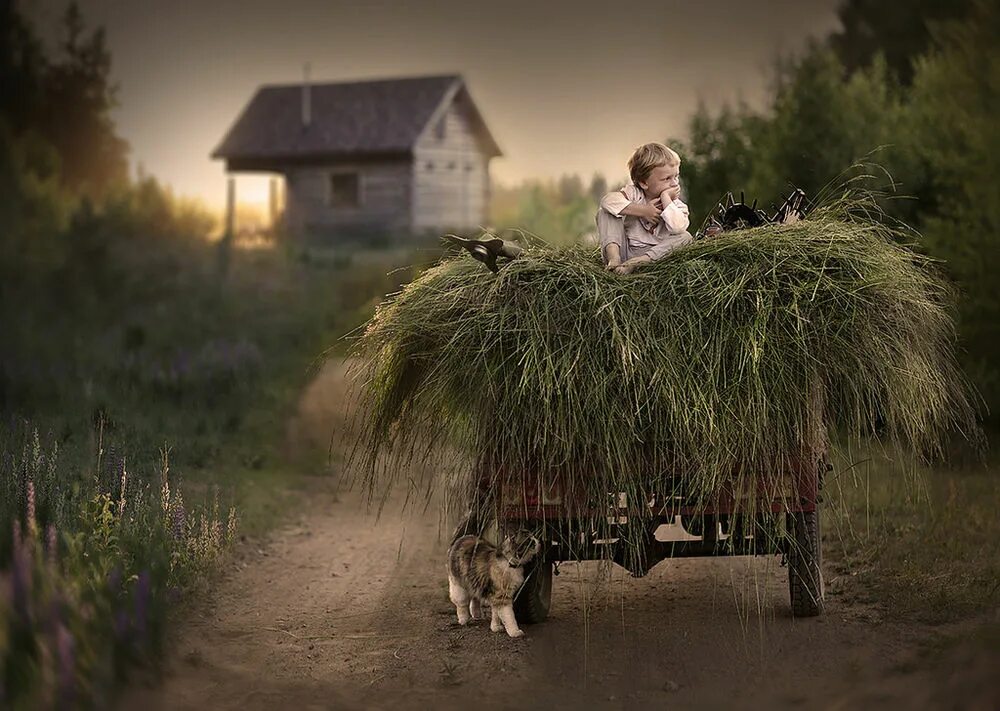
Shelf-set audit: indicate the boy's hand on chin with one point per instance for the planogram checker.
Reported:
(670, 194)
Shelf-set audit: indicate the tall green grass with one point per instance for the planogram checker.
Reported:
(726, 361)
(92, 559)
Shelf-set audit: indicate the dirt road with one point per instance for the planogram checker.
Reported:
(342, 611)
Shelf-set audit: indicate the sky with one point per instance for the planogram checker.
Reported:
(565, 87)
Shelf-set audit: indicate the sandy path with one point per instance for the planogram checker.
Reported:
(342, 611)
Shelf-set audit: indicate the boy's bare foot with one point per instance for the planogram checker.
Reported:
(629, 265)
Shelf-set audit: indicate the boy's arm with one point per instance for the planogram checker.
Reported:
(642, 209)
(626, 202)
(675, 214)
(676, 217)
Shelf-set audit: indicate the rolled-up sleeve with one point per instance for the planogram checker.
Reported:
(676, 217)
(616, 201)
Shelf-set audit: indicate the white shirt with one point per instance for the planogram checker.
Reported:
(642, 236)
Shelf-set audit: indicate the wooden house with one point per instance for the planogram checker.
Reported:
(407, 155)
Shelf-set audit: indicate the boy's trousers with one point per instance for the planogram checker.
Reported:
(611, 230)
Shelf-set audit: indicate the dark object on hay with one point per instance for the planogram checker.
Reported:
(487, 250)
(730, 215)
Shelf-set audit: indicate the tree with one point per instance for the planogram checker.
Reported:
(22, 68)
(598, 188)
(954, 109)
(718, 156)
(74, 113)
(899, 34)
(570, 188)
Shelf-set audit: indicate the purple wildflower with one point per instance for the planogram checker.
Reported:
(142, 590)
(66, 664)
(21, 578)
(30, 509)
(115, 579)
(52, 543)
(179, 519)
(121, 492)
(120, 625)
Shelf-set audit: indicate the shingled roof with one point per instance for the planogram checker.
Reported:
(347, 119)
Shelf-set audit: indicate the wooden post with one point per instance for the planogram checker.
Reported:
(273, 205)
(226, 245)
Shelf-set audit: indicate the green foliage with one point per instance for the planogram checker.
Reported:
(93, 569)
(900, 34)
(35, 212)
(727, 359)
(820, 123)
(955, 132)
(937, 141)
(22, 64)
(719, 156)
(924, 545)
(65, 100)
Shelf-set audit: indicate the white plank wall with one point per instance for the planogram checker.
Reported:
(450, 176)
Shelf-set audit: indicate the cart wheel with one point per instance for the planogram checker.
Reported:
(532, 601)
(805, 557)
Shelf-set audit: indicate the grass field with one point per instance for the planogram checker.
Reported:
(922, 542)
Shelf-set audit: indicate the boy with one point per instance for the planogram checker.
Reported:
(645, 219)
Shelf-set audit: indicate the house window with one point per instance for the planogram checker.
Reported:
(345, 190)
(439, 129)
(430, 165)
(451, 165)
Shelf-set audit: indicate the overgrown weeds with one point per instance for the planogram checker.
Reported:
(925, 544)
(91, 562)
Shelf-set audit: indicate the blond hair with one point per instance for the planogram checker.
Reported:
(650, 156)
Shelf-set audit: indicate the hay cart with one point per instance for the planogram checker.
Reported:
(781, 518)
(784, 519)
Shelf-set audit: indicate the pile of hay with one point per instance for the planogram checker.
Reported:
(731, 355)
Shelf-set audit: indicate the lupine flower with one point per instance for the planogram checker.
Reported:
(65, 655)
(142, 590)
(165, 496)
(165, 476)
(120, 625)
(121, 493)
(20, 577)
(231, 526)
(179, 518)
(30, 509)
(115, 579)
(51, 543)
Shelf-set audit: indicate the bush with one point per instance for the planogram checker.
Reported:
(91, 570)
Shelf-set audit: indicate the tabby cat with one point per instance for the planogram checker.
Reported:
(479, 571)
